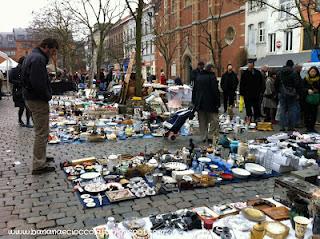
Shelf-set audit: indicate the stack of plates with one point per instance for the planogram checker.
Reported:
(240, 173)
(255, 168)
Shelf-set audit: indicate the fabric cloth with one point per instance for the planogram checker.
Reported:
(40, 117)
(205, 94)
(209, 125)
(35, 77)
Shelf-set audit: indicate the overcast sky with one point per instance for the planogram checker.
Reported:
(18, 13)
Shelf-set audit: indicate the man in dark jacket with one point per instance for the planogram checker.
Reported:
(196, 72)
(37, 93)
(229, 84)
(289, 88)
(251, 87)
(206, 100)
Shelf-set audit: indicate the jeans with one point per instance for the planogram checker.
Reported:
(288, 112)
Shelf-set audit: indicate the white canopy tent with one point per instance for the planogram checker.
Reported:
(6, 66)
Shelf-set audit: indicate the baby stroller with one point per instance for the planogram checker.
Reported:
(174, 124)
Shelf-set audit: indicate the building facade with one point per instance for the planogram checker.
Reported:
(193, 22)
(17, 43)
(114, 46)
(148, 48)
(269, 32)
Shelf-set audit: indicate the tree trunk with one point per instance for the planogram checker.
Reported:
(92, 66)
(99, 55)
(168, 73)
(219, 70)
(139, 80)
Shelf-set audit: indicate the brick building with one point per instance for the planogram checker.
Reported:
(17, 43)
(114, 45)
(190, 22)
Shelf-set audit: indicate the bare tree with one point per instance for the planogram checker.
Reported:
(136, 10)
(165, 42)
(299, 13)
(98, 17)
(214, 41)
(54, 21)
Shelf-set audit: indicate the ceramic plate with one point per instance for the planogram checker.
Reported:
(176, 166)
(88, 200)
(140, 195)
(90, 204)
(90, 175)
(137, 179)
(255, 168)
(95, 187)
(204, 160)
(240, 173)
(83, 196)
(167, 179)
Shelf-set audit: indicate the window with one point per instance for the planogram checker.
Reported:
(145, 28)
(261, 32)
(272, 42)
(187, 3)
(307, 42)
(10, 38)
(151, 47)
(173, 5)
(252, 5)
(147, 48)
(288, 36)
(251, 34)
(286, 7)
(131, 34)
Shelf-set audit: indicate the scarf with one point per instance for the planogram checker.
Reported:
(311, 81)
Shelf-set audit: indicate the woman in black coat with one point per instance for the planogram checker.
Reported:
(15, 79)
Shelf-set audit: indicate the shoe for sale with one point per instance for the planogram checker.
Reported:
(43, 170)
(49, 159)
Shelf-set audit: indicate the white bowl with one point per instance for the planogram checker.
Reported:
(255, 168)
(240, 173)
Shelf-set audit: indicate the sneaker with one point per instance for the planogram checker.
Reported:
(22, 124)
(43, 170)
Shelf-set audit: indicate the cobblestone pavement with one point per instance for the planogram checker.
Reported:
(47, 201)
